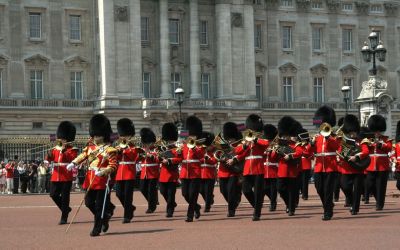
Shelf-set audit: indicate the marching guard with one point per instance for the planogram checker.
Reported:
(271, 168)
(128, 155)
(396, 156)
(61, 178)
(305, 163)
(169, 171)
(324, 149)
(102, 161)
(379, 146)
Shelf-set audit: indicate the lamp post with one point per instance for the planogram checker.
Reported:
(346, 96)
(179, 95)
(375, 48)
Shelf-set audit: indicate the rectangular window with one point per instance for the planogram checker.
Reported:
(317, 38)
(37, 125)
(146, 84)
(75, 27)
(287, 3)
(144, 27)
(349, 81)
(376, 8)
(318, 89)
(258, 87)
(347, 7)
(174, 31)
(76, 85)
(175, 82)
(35, 25)
(379, 33)
(258, 2)
(204, 33)
(205, 85)
(36, 79)
(316, 5)
(347, 37)
(286, 37)
(288, 89)
(258, 36)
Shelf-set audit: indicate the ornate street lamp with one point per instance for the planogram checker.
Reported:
(375, 48)
(346, 96)
(179, 95)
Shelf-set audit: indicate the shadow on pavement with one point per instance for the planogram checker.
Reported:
(139, 232)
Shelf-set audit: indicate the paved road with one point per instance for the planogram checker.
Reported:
(30, 222)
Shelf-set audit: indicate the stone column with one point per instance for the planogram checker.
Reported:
(108, 90)
(194, 50)
(224, 50)
(135, 48)
(164, 50)
(16, 89)
(249, 57)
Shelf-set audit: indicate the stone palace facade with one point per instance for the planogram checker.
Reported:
(70, 59)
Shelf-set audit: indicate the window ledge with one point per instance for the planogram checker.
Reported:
(318, 52)
(75, 42)
(288, 51)
(145, 44)
(204, 46)
(348, 53)
(258, 50)
(36, 40)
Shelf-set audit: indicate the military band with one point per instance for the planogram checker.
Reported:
(261, 160)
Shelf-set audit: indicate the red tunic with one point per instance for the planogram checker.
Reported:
(150, 166)
(223, 168)
(127, 159)
(10, 170)
(306, 157)
(100, 157)
(208, 166)
(396, 155)
(61, 158)
(253, 156)
(170, 172)
(325, 154)
(379, 156)
(345, 166)
(290, 168)
(270, 167)
(190, 168)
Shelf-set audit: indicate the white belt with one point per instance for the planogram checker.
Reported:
(149, 165)
(59, 164)
(379, 155)
(190, 161)
(326, 154)
(251, 157)
(127, 162)
(271, 164)
(207, 165)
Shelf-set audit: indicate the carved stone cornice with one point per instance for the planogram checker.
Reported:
(237, 20)
(37, 60)
(206, 63)
(319, 69)
(362, 7)
(288, 68)
(76, 61)
(3, 60)
(148, 62)
(333, 5)
(391, 8)
(349, 69)
(121, 13)
(303, 5)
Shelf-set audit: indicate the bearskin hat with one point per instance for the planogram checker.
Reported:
(351, 124)
(377, 123)
(209, 138)
(230, 131)
(364, 132)
(169, 132)
(398, 132)
(270, 131)
(326, 114)
(340, 121)
(147, 136)
(287, 125)
(194, 126)
(99, 125)
(125, 127)
(66, 130)
(254, 122)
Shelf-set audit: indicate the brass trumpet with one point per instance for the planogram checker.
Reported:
(123, 142)
(250, 135)
(191, 141)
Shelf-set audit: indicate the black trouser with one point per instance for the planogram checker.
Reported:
(124, 192)
(24, 183)
(396, 176)
(168, 191)
(16, 185)
(207, 191)
(94, 200)
(271, 190)
(324, 183)
(289, 192)
(190, 191)
(60, 193)
(148, 187)
(336, 187)
(230, 190)
(378, 179)
(256, 196)
(353, 187)
(305, 180)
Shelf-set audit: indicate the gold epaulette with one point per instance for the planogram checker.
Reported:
(299, 143)
(365, 140)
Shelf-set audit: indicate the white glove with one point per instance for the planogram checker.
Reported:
(98, 173)
(70, 166)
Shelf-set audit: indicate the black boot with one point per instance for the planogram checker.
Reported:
(231, 213)
(197, 213)
(64, 217)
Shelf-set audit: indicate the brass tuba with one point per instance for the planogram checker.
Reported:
(325, 129)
